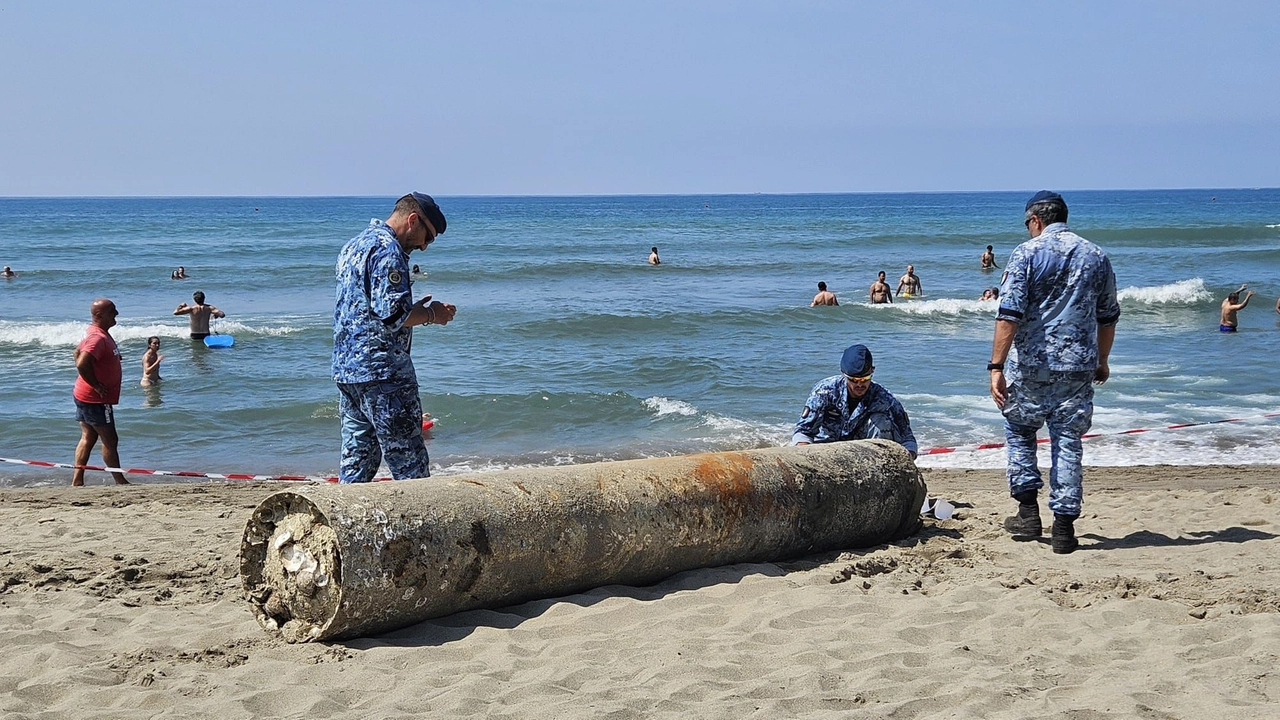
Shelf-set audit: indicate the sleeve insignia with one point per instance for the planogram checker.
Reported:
(395, 277)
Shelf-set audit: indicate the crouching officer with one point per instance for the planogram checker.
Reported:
(849, 406)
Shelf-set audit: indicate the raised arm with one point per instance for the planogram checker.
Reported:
(183, 309)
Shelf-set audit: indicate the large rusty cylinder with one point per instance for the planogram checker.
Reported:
(332, 562)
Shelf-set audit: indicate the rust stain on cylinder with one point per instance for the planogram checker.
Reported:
(730, 475)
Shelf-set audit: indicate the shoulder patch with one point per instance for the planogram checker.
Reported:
(395, 277)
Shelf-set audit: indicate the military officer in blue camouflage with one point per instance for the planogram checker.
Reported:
(849, 406)
(1058, 313)
(372, 334)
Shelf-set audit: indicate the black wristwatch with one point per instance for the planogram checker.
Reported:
(995, 366)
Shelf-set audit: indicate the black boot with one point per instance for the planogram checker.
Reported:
(1026, 524)
(1064, 534)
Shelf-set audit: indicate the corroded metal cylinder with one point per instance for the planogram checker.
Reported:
(328, 562)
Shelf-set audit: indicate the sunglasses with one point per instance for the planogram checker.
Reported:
(859, 379)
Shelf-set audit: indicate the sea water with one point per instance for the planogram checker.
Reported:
(568, 347)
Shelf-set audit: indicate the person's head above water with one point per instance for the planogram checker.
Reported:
(198, 296)
(103, 313)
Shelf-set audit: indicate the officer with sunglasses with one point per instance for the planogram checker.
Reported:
(373, 322)
(1055, 327)
(849, 406)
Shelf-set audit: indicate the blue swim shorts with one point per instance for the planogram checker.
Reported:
(1226, 328)
(95, 414)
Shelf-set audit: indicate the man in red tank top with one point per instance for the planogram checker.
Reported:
(97, 389)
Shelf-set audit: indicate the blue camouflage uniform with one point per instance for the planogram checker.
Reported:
(830, 415)
(378, 389)
(1059, 288)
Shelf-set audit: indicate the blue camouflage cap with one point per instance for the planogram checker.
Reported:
(431, 211)
(856, 361)
(1045, 196)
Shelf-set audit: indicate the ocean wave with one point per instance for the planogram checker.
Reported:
(60, 334)
(1183, 292)
(231, 327)
(663, 406)
(941, 307)
(1236, 444)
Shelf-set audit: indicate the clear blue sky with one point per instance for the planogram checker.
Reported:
(229, 97)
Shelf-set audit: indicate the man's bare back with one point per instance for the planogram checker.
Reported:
(826, 297)
(200, 314)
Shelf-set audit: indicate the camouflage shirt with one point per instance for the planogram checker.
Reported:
(830, 414)
(370, 340)
(1058, 287)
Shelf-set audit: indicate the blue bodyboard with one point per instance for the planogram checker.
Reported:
(217, 341)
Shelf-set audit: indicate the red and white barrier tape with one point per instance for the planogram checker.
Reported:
(180, 473)
(315, 478)
(1135, 431)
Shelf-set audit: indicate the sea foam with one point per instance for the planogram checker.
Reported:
(664, 406)
(1183, 292)
(941, 307)
(57, 334)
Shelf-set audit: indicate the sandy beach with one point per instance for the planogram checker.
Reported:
(125, 603)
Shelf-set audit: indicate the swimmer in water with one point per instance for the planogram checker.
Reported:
(1231, 306)
(824, 296)
(880, 291)
(989, 259)
(200, 314)
(909, 285)
(151, 362)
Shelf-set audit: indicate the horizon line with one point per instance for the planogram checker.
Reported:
(622, 195)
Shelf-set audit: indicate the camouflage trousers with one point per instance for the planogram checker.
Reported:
(1064, 402)
(381, 418)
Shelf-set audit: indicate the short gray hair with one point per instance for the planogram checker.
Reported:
(1050, 212)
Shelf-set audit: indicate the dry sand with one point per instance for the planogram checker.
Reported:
(125, 603)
